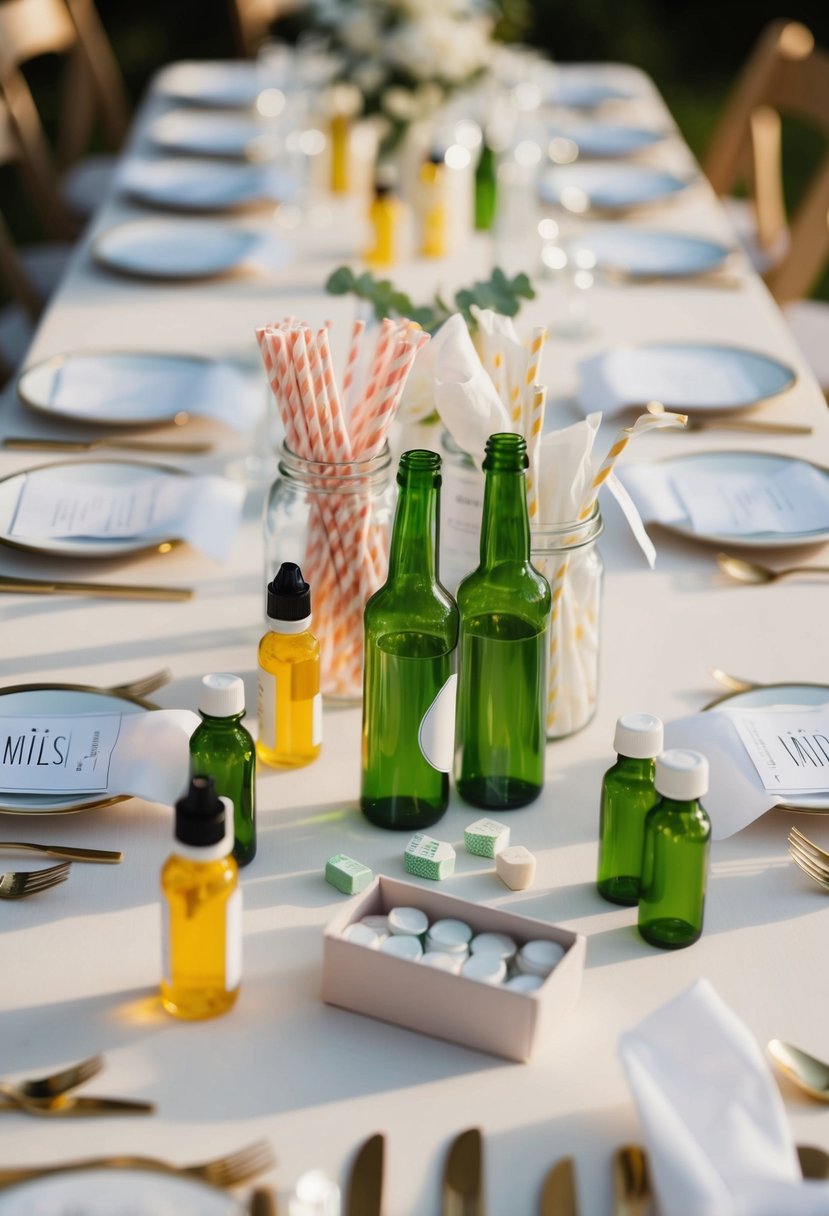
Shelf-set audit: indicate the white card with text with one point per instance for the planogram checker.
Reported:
(789, 748)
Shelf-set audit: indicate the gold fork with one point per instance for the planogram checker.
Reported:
(224, 1171)
(809, 865)
(58, 1082)
(18, 884)
(797, 837)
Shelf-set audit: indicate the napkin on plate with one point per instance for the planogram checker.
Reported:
(736, 796)
(714, 1122)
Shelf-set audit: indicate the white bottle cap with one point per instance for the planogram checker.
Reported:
(402, 947)
(638, 736)
(499, 944)
(408, 922)
(539, 957)
(487, 968)
(222, 695)
(443, 962)
(449, 935)
(681, 774)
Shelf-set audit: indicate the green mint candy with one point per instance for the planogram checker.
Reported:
(429, 858)
(347, 875)
(486, 837)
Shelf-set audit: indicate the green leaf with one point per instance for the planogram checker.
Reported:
(341, 281)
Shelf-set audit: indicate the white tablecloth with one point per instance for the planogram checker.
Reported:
(81, 964)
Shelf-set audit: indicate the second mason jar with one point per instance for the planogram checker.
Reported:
(567, 555)
(333, 520)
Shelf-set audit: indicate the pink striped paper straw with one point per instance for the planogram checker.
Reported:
(351, 361)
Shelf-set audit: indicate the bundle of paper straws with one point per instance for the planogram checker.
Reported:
(340, 431)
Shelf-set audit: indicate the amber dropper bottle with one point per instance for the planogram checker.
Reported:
(289, 704)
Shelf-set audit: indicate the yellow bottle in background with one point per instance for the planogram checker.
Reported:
(432, 207)
(340, 134)
(202, 909)
(384, 216)
(289, 705)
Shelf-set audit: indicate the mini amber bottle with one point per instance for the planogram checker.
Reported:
(289, 705)
(384, 219)
(432, 207)
(202, 908)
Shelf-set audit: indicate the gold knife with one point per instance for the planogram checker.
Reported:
(70, 1107)
(118, 591)
(106, 856)
(631, 1182)
(263, 1202)
(558, 1195)
(753, 426)
(365, 1183)
(463, 1193)
(23, 442)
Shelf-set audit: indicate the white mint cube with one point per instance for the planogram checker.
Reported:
(515, 867)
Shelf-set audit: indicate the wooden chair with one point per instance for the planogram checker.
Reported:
(92, 90)
(251, 21)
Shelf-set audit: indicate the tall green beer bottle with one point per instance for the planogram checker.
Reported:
(411, 630)
(505, 609)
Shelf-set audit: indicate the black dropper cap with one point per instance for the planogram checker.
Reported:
(289, 596)
(200, 814)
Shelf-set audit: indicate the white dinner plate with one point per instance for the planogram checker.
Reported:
(221, 83)
(51, 700)
(692, 377)
(203, 185)
(584, 92)
(782, 694)
(762, 464)
(172, 249)
(610, 186)
(131, 388)
(230, 135)
(641, 252)
(599, 139)
(89, 474)
(117, 1192)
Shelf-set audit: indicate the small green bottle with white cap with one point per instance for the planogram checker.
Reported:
(221, 748)
(627, 796)
(675, 853)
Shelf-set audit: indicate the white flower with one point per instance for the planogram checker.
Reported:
(368, 76)
(362, 34)
(399, 104)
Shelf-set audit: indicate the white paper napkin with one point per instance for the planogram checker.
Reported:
(714, 1123)
(464, 394)
(736, 796)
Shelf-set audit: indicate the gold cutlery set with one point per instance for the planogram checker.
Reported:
(20, 884)
(811, 859)
(53, 1097)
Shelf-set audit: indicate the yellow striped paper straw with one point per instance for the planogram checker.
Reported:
(645, 422)
(533, 436)
(531, 378)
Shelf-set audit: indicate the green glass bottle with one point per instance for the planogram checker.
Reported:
(627, 796)
(502, 680)
(675, 853)
(486, 188)
(411, 630)
(221, 748)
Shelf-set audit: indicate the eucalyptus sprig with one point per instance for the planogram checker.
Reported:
(499, 292)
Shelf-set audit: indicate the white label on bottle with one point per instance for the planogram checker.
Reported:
(233, 941)
(316, 720)
(266, 708)
(165, 943)
(437, 728)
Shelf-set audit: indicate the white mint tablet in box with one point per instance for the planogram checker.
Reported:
(422, 996)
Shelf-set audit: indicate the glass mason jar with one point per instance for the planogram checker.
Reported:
(333, 520)
(566, 554)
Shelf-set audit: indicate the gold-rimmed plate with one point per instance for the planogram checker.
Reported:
(104, 1191)
(89, 474)
(53, 700)
(767, 695)
(174, 250)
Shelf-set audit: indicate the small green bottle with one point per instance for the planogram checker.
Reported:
(502, 681)
(675, 853)
(411, 630)
(486, 188)
(627, 796)
(223, 749)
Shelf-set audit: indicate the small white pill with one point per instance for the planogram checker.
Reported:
(524, 983)
(408, 922)
(443, 962)
(539, 957)
(449, 935)
(380, 924)
(499, 944)
(515, 866)
(402, 947)
(361, 935)
(487, 968)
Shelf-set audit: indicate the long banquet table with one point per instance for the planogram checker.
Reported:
(81, 965)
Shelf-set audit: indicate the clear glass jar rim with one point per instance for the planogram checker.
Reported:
(336, 475)
(573, 534)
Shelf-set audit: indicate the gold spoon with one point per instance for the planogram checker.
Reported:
(752, 572)
(733, 683)
(809, 1074)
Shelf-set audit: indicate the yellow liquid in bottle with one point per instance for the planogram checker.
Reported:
(340, 154)
(202, 961)
(289, 706)
(384, 218)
